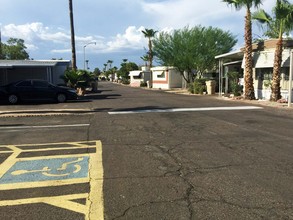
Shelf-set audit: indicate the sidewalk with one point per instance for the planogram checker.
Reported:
(253, 102)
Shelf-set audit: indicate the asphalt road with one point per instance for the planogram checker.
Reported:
(163, 156)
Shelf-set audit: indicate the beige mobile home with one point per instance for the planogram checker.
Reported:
(166, 77)
(139, 76)
(263, 62)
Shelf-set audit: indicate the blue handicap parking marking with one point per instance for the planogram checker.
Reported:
(47, 169)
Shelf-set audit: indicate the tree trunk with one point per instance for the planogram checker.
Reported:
(276, 90)
(74, 67)
(150, 53)
(248, 76)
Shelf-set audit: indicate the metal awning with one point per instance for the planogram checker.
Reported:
(232, 63)
(30, 63)
(265, 59)
(135, 73)
(234, 55)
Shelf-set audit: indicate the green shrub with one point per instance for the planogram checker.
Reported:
(143, 84)
(267, 83)
(125, 81)
(198, 86)
(236, 89)
(191, 88)
(234, 85)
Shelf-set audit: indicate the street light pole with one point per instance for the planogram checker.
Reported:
(84, 53)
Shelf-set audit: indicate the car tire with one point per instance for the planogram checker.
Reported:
(61, 98)
(13, 99)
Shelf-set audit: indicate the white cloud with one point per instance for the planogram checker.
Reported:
(36, 33)
(61, 51)
(180, 13)
(131, 39)
(33, 33)
(26, 31)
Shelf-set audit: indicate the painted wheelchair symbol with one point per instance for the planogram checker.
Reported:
(46, 171)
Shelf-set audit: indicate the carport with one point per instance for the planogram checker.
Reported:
(50, 70)
(231, 61)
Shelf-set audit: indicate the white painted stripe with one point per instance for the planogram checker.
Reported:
(186, 110)
(43, 126)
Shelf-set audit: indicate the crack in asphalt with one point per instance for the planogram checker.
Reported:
(173, 165)
(250, 208)
(159, 155)
(146, 204)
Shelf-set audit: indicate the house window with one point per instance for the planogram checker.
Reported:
(285, 71)
(137, 77)
(267, 73)
(162, 75)
(264, 73)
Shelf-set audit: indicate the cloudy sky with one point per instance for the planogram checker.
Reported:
(114, 25)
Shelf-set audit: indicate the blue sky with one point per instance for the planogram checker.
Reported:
(115, 25)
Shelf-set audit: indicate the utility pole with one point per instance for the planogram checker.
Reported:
(1, 56)
(290, 79)
(74, 67)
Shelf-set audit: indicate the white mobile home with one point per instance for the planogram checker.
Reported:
(139, 76)
(263, 62)
(166, 77)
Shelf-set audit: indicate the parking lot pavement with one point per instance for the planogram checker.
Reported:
(53, 180)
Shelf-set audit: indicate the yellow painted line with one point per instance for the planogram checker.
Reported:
(50, 157)
(47, 149)
(58, 201)
(10, 161)
(96, 194)
(28, 185)
(69, 205)
(42, 199)
(94, 207)
(80, 143)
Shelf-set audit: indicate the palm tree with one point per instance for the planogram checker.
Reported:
(248, 76)
(150, 33)
(276, 27)
(72, 36)
(145, 58)
(110, 63)
(105, 67)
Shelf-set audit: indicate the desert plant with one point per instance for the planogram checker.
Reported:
(197, 87)
(234, 83)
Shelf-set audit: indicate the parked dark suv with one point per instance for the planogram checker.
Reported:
(35, 89)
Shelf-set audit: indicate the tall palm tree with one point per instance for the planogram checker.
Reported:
(150, 33)
(110, 63)
(276, 27)
(248, 76)
(72, 36)
(145, 58)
